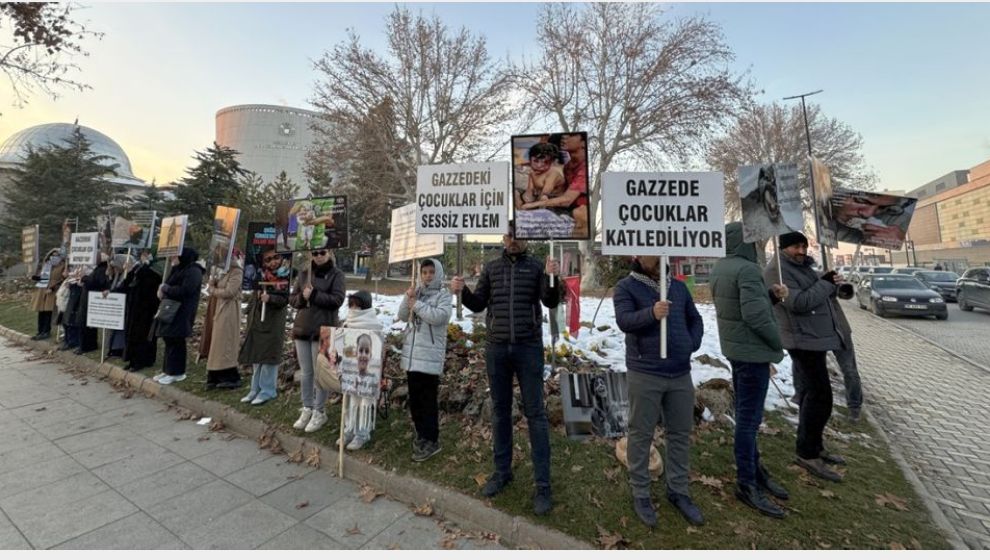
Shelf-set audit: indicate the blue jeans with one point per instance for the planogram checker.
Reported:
(312, 396)
(749, 382)
(523, 361)
(264, 381)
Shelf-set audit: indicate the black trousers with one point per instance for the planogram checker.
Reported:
(175, 355)
(44, 322)
(229, 375)
(423, 391)
(142, 354)
(816, 404)
(90, 339)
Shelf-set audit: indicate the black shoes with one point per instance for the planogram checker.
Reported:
(495, 484)
(229, 385)
(542, 500)
(753, 497)
(645, 511)
(41, 336)
(687, 508)
(831, 458)
(817, 468)
(772, 487)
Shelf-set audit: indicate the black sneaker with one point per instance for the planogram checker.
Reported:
(425, 450)
(496, 483)
(854, 415)
(687, 508)
(542, 500)
(645, 511)
(817, 467)
(765, 482)
(756, 499)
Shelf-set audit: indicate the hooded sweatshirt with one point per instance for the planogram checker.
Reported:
(425, 339)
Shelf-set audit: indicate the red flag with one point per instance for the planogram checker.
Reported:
(573, 284)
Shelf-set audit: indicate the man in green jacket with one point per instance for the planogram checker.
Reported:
(750, 339)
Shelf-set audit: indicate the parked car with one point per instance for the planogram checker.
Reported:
(942, 281)
(880, 270)
(856, 274)
(907, 270)
(973, 289)
(900, 294)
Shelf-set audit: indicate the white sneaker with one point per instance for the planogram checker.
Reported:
(357, 443)
(170, 379)
(316, 422)
(303, 421)
(259, 400)
(159, 375)
(348, 436)
(248, 398)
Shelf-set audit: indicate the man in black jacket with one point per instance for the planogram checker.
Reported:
(511, 288)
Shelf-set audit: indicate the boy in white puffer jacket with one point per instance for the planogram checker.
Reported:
(360, 419)
(427, 310)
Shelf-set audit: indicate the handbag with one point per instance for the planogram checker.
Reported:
(327, 376)
(167, 311)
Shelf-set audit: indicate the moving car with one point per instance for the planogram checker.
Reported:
(899, 294)
(942, 281)
(973, 289)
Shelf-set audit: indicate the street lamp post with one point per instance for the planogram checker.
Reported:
(811, 174)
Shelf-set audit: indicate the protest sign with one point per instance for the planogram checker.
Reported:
(30, 247)
(669, 214)
(771, 201)
(104, 227)
(172, 238)
(83, 249)
(826, 225)
(105, 312)
(595, 404)
(222, 242)
(467, 198)
(550, 186)
(870, 218)
(135, 233)
(357, 356)
(311, 223)
(405, 244)
(262, 265)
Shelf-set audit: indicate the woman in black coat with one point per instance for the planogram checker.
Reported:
(141, 283)
(96, 281)
(183, 286)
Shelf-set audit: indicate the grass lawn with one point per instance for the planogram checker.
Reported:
(875, 508)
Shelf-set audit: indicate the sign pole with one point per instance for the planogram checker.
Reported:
(340, 451)
(551, 256)
(103, 345)
(663, 297)
(776, 251)
(460, 272)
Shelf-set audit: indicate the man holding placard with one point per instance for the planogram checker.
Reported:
(511, 288)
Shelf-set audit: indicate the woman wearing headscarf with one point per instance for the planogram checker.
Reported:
(141, 285)
(221, 363)
(49, 277)
(96, 282)
(72, 317)
(119, 267)
(182, 287)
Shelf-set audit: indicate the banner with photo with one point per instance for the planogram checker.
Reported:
(311, 223)
(172, 238)
(84, 248)
(595, 404)
(263, 266)
(404, 243)
(658, 213)
(222, 242)
(771, 201)
(463, 198)
(550, 185)
(872, 219)
(822, 178)
(357, 355)
(136, 233)
(104, 227)
(30, 247)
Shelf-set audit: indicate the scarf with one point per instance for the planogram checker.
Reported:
(649, 281)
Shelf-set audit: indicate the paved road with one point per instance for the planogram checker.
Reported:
(935, 408)
(83, 468)
(965, 332)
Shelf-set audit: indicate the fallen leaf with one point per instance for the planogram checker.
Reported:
(828, 494)
(296, 456)
(369, 494)
(692, 530)
(217, 426)
(301, 505)
(711, 481)
(127, 414)
(354, 530)
(448, 543)
(895, 502)
(577, 468)
(624, 521)
(230, 437)
(595, 501)
(393, 546)
(481, 479)
(916, 544)
(896, 546)
(313, 458)
(203, 438)
(424, 510)
(610, 541)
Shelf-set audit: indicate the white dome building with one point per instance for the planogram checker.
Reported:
(14, 149)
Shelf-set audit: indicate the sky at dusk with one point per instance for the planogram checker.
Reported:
(911, 78)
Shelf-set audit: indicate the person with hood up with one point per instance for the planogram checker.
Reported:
(317, 295)
(49, 277)
(426, 309)
(747, 330)
(359, 421)
(182, 287)
(93, 284)
(264, 341)
(225, 338)
(660, 389)
(141, 285)
(72, 312)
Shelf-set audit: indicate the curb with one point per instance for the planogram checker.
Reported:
(466, 511)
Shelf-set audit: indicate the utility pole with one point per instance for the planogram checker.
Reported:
(811, 173)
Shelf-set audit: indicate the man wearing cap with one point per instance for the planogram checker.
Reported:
(809, 329)
(512, 287)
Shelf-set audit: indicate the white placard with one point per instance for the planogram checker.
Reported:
(105, 312)
(674, 214)
(405, 243)
(463, 198)
(84, 248)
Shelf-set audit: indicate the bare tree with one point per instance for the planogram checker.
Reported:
(772, 133)
(649, 90)
(36, 53)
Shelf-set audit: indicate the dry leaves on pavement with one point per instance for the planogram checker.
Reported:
(369, 494)
(611, 541)
(313, 458)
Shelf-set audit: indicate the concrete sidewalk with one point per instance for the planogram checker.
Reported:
(83, 468)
